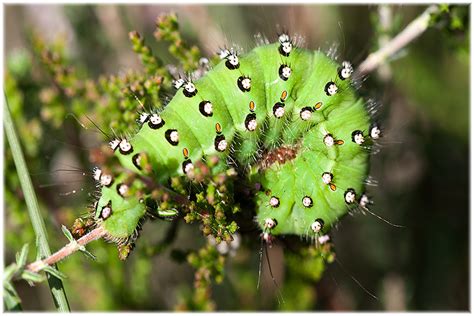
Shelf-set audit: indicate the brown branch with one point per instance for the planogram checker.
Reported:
(410, 33)
(67, 250)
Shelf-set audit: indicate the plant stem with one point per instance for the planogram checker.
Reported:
(67, 250)
(410, 33)
(385, 23)
(55, 284)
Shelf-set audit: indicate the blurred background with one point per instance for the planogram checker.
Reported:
(421, 171)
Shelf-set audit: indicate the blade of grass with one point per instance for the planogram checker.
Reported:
(55, 284)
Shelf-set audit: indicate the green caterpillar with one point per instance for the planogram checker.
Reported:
(288, 115)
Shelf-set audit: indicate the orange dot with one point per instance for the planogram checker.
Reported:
(318, 105)
(252, 106)
(284, 94)
(332, 186)
(218, 128)
(185, 153)
(339, 142)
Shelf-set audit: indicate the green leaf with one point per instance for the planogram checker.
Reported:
(9, 272)
(87, 253)
(67, 233)
(444, 7)
(22, 256)
(55, 272)
(10, 297)
(169, 214)
(32, 277)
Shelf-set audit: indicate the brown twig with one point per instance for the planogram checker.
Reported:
(410, 33)
(67, 250)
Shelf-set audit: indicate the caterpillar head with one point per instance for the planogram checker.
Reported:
(120, 208)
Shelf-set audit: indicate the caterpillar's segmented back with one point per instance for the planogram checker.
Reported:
(289, 115)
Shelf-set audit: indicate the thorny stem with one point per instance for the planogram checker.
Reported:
(410, 33)
(67, 250)
(76, 245)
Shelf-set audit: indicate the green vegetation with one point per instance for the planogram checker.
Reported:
(57, 87)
